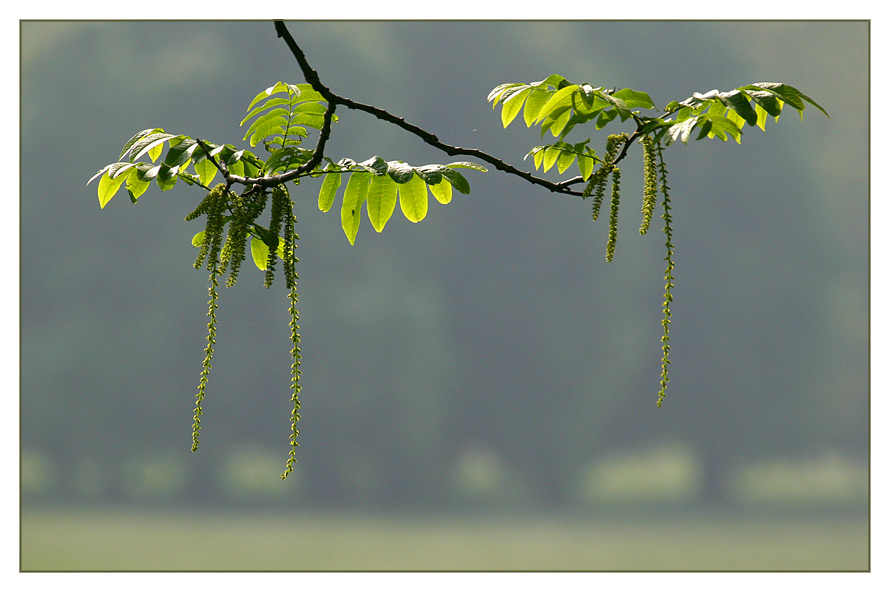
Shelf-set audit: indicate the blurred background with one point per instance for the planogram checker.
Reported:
(479, 388)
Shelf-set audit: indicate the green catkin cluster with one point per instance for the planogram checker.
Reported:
(213, 207)
(668, 274)
(218, 256)
(278, 208)
(244, 211)
(650, 182)
(613, 214)
(280, 196)
(596, 184)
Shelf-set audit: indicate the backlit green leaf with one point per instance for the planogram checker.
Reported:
(551, 153)
(559, 123)
(533, 104)
(267, 105)
(513, 105)
(328, 190)
(198, 239)
(258, 250)
(135, 185)
(353, 197)
(382, 193)
(108, 187)
(442, 192)
(206, 171)
(413, 199)
(586, 163)
(561, 98)
(565, 160)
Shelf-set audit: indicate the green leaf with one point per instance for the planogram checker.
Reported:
(738, 102)
(265, 126)
(681, 130)
(198, 239)
(765, 101)
(353, 197)
(382, 192)
(497, 92)
(375, 165)
(442, 192)
(456, 179)
(328, 190)
(206, 171)
(619, 104)
(258, 250)
(276, 88)
(533, 104)
(560, 99)
(790, 95)
(413, 198)
(267, 105)
(137, 137)
(513, 105)
(565, 160)
(400, 172)
(551, 153)
(634, 98)
(267, 236)
(135, 185)
(586, 163)
(538, 152)
(181, 151)
(166, 177)
(151, 144)
(719, 126)
(557, 125)
(99, 173)
(467, 165)
(108, 187)
(430, 173)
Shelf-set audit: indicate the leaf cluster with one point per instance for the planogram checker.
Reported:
(182, 152)
(281, 114)
(380, 184)
(558, 106)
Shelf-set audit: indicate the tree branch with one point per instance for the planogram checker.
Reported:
(312, 78)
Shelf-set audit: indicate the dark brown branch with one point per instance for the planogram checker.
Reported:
(312, 78)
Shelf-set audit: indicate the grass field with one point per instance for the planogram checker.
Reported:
(219, 541)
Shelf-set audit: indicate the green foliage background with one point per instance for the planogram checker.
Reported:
(487, 357)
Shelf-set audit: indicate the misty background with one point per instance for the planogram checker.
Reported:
(487, 359)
